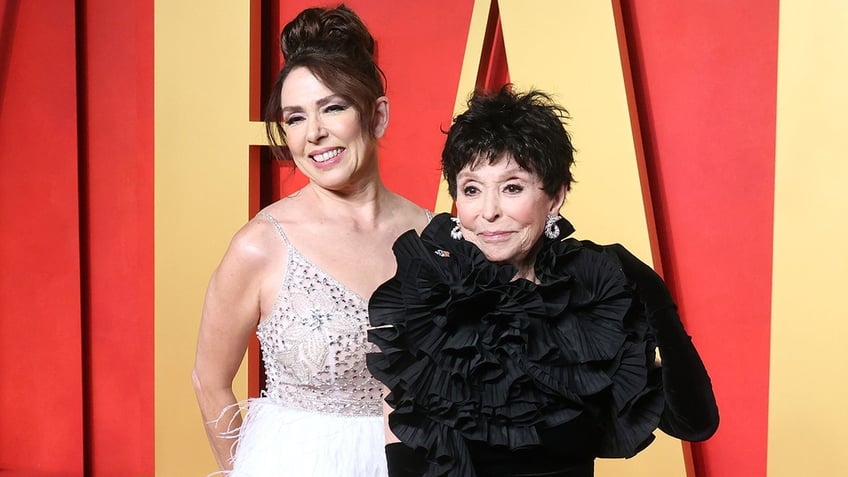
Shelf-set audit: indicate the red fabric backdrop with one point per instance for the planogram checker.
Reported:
(76, 207)
(705, 77)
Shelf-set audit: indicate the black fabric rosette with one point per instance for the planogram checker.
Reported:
(469, 354)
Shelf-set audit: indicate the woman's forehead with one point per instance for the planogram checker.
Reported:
(501, 165)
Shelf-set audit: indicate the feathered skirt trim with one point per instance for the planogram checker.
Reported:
(278, 441)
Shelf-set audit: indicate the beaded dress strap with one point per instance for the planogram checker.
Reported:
(276, 225)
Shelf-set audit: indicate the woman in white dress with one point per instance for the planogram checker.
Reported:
(299, 274)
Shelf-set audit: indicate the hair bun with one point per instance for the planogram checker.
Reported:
(336, 30)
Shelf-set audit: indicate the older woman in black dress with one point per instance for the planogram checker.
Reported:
(510, 349)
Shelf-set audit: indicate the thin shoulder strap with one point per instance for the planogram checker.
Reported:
(429, 215)
(270, 218)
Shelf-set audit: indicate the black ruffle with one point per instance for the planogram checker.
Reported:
(468, 353)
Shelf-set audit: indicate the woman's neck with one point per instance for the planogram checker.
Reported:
(526, 269)
(529, 275)
(363, 206)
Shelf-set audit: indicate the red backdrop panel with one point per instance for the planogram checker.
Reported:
(116, 129)
(40, 338)
(706, 82)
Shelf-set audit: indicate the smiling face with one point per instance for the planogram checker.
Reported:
(324, 134)
(502, 209)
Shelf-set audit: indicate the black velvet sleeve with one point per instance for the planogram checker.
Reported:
(403, 461)
(691, 412)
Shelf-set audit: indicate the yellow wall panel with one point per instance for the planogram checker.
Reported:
(808, 419)
(202, 135)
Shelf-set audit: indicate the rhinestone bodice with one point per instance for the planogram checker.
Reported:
(314, 342)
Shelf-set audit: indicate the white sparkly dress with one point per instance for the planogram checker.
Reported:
(321, 412)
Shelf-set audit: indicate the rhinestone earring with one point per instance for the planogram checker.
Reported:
(455, 233)
(551, 228)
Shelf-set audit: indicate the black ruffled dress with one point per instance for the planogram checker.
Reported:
(492, 376)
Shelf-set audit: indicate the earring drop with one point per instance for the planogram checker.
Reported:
(455, 232)
(551, 228)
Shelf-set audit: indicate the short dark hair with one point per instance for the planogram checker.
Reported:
(527, 126)
(335, 46)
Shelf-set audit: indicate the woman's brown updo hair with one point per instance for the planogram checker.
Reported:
(336, 47)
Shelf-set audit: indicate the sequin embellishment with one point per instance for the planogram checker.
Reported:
(314, 343)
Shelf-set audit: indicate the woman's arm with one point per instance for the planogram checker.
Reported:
(691, 412)
(230, 314)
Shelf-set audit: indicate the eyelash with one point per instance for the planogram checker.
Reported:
(332, 108)
(509, 188)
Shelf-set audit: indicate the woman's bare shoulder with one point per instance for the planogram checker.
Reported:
(255, 245)
(411, 214)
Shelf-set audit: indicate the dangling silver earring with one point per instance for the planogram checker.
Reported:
(455, 233)
(551, 228)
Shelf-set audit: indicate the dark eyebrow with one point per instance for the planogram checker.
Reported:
(321, 102)
(330, 99)
(291, 109)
